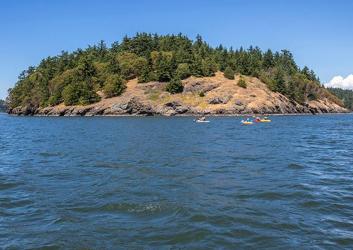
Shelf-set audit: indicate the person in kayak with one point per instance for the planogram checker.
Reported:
(202, 118)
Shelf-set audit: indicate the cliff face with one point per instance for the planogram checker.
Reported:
(208, 95)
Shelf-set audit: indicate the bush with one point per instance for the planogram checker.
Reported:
(114, 86)
(202, 94)
(87, 95)
(53, 100)
(183, 71)
(71, 94)
(145, 75)
(208, 67)
(74, 94)
(242, 83)
(175, 86)
(131, 65)
(229, 73)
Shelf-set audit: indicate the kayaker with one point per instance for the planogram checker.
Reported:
(202, 118)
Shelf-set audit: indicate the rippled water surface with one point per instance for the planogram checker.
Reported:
(152, 183)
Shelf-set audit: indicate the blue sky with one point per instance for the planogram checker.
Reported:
(319, 33)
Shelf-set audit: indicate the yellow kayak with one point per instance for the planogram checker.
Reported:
(265, 120)
(246, 123)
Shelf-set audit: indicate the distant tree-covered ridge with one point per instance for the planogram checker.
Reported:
(2, 106)
(345, 95)
(77, 77)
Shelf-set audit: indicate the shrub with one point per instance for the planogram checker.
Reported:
(202, 94)
(80, 93)
(54, 100)
(175, 86)
(87, 95)
(183, 71)
(130, 64)
(242, 83)
(145, 75)
(208, 67)
(71, 94)
(114, 86)
(229, 73)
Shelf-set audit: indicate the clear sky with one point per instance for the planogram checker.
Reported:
(318, 32)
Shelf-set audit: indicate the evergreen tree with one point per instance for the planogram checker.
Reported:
(113, 65)
(279, 82)
(114, 86)
(145, 75)
(268, 61)
(71, 94)
(76, 77)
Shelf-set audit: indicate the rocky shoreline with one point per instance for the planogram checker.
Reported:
(220, 97)
(135, 107)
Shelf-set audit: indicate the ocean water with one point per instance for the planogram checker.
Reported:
(170, 183)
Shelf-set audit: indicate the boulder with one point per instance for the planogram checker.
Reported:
(219, 100)
(199, 86)
(174, 108)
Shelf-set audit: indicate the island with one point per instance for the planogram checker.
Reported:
(2, 106)
(151, 74)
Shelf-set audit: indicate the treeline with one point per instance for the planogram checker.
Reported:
(2, 106)
(75, 78)
(345, 95)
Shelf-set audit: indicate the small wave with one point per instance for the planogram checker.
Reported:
(310, 204)
(270, 196)
(15, 204)
(122, 208)
(110, 165)
(50, 154)
(343, 241)
(339, 223)
(9, 185)
(295, 166)
(198, 218)
(189, 236)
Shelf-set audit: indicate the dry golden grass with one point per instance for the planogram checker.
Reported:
(254, 97)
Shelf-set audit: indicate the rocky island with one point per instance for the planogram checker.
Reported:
(169, 75)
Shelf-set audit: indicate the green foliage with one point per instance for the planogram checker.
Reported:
(145, 75)
(71, 94)
(131, 65)
(208, 67)
(175, 86)
(279, 82)
(164, 65)
(183, 71)
(241, 83)
(345, 95)
(229, 73)
(202, 94)
(2, 106)
(74, 78)
(79, 94)
(114, 86)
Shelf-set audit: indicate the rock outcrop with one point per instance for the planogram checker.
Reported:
(220, 96)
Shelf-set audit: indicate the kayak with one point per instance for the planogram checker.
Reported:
(265, 120)
(201, 121)
(246, 123)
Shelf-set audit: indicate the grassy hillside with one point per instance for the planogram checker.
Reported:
(345, 95)
(76, 78)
